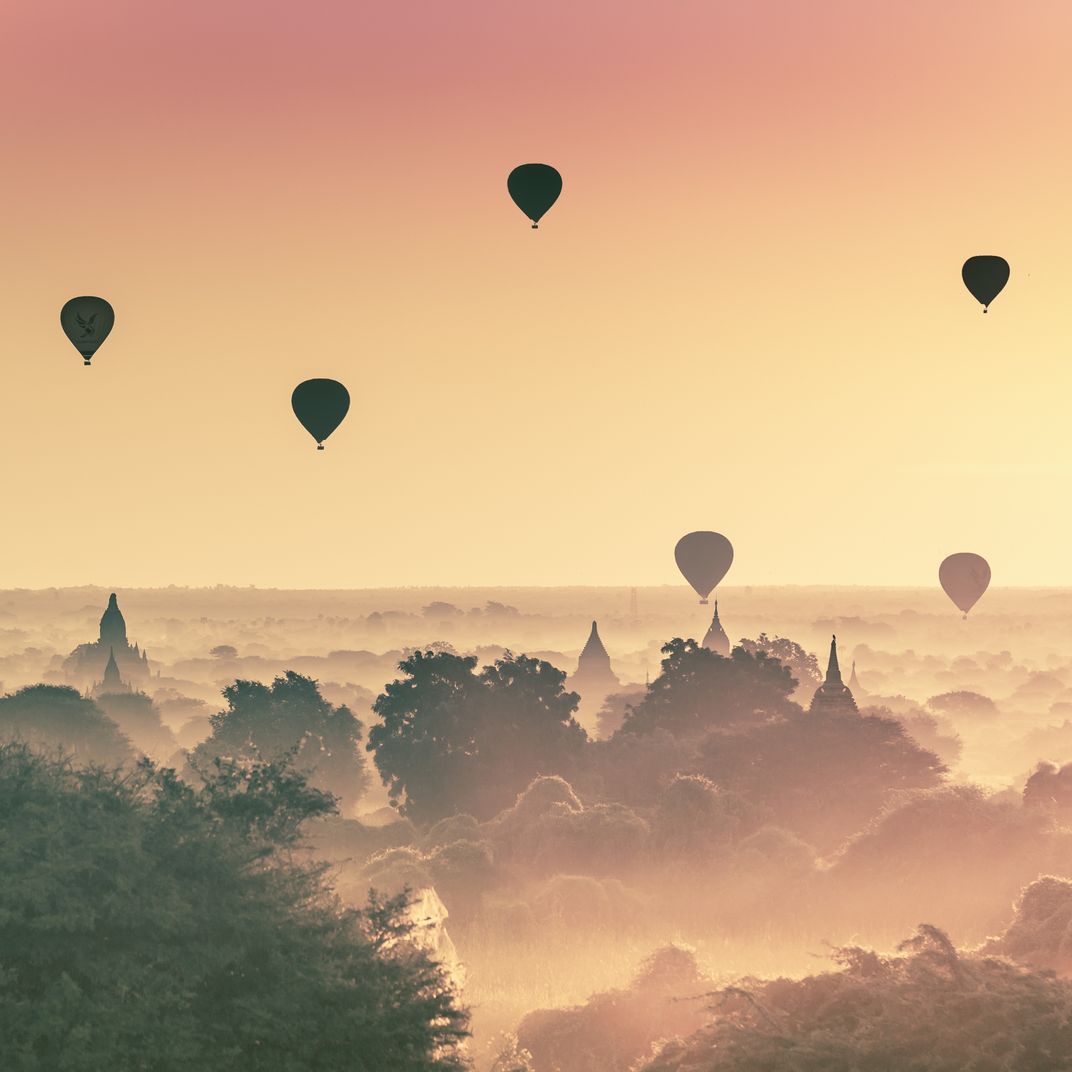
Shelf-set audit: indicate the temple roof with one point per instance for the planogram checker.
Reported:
(594, 648)
(111, 671)
(715, 638)
(833, 671)
(833, 695)
(113, 626)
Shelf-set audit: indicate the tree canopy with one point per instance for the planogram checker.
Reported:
(146, 925)
(57, 717)
(453, 740)
(699, 689)
(288, 717)
(929, 1009)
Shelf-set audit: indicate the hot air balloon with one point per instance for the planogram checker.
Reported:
(965, 577)
(703, 558)
(534, 188)
(320, 405)
(985, 277)
(86, 322)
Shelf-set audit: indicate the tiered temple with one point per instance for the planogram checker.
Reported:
(86, 664)
(113, 683)
(716, 639)
(833, 696)
(593, 679)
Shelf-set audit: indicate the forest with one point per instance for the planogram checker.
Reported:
(475, 866)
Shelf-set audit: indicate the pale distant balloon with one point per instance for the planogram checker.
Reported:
(965, 577)
(703, 558)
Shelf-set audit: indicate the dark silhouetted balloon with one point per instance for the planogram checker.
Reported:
(320, 405)
(985, 277)
(86, 322)
(534, 188)
(703, 558)
(965, 578)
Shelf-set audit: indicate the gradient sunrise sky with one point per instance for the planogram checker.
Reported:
(745, 313)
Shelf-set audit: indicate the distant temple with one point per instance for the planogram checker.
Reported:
(88, 662)
(113, 683)
(833, 696)
(716, 639)
(854, 685)
(594, 679)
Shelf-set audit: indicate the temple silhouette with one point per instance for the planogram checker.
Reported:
(112, 683)
(715, 638)
(89, 663)
(833, 696)
(594, 678)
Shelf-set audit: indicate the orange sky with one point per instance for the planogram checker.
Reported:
(745, 312)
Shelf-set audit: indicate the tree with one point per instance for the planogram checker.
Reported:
(802, 664)
(452, 740)
(223, 651)
(929, 1009)
(699, 689)
(145, 925)
(290, 716)
(138, 717)
(57, 717)
(440, 610)
(822, 776)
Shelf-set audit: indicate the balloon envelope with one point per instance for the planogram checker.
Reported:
(534, 188)
(965, 577)
(320, 405)
(985, 277)
(86, 321)
(703, 558)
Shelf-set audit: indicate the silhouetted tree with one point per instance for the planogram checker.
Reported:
(291, 717)
(57, 717)
(452, 740)
(1050, 788)
(698, 689)
(963, 703)
(147, 925)
(223, 651)
(822, 776)
(931, 1009)
(439, 610)
(802, 664)
(612, 1030)
(136, 716)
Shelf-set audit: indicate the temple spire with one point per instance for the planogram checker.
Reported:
(594, 647)
(833, 671)
(716, 639)
(112, 677)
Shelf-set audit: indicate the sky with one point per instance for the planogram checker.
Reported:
(745, 312)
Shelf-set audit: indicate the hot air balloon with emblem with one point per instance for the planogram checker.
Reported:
(985, 277)
(320, 406)
(964, 577)
(703, 558)
(87, 321)
(534, 189)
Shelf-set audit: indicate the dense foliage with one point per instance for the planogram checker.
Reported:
(930, 1009)
(453, 740)
(148, 926)
(291, 718)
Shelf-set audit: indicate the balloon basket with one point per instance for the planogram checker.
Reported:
(704, 602)
(320, 446)
(86, 363)
(535, 226)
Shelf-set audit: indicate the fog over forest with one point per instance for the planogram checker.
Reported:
(536, 830)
